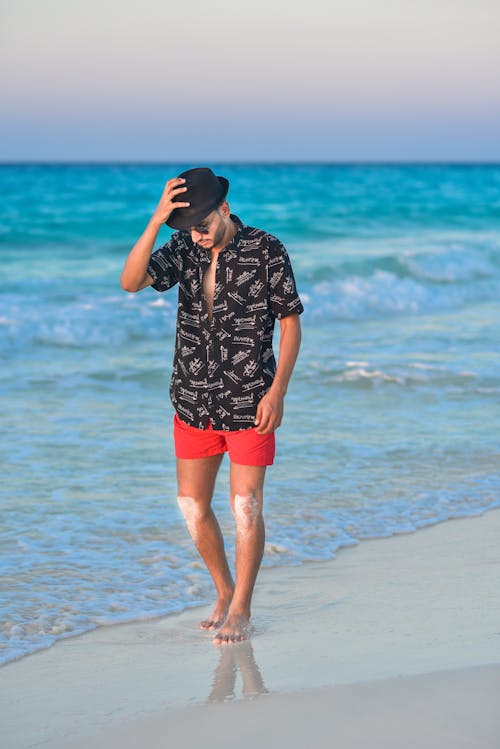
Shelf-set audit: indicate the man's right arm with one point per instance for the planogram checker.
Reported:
(135, 274)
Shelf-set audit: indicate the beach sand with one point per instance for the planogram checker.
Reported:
(394, 643)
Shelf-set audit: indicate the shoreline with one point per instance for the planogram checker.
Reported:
(205, 607)
(423, 603)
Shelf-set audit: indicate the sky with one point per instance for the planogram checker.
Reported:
(259, 80)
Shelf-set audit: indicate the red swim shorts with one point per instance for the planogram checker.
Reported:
(244, 446)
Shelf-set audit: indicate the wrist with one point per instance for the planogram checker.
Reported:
(155, 223)
(278, 389)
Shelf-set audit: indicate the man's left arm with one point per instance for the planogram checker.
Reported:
(270, 408)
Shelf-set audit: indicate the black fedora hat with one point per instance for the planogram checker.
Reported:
(204, 193)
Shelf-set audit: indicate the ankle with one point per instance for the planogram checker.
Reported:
(225, 596)
(238, 611)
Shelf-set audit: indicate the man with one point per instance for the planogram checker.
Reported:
(228, 393)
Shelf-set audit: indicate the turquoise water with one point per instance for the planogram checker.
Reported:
(392, 418)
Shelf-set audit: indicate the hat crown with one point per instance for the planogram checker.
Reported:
(204, 193)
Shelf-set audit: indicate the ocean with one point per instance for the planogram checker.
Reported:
(391, 420)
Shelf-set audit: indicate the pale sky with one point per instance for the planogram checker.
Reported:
(271, 80)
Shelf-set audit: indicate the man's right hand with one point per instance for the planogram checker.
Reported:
(135, 274)
(166, 205)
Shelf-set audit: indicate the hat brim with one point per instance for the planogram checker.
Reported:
(185, 218)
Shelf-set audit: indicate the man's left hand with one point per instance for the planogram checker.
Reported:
(269, 413)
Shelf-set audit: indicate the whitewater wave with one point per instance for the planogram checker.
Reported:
(51, 315)
(383, 294)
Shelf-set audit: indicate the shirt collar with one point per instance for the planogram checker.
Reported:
(239, 228)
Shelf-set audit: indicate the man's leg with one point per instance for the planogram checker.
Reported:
(196, 481)
(247, 488)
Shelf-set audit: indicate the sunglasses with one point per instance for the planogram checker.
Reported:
(200, 229)
(204, 227)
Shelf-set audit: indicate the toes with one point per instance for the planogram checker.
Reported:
(210, 623)
(222, 638)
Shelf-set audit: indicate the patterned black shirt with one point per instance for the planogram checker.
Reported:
(223, 366)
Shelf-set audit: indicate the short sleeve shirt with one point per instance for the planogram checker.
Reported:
(224, 366)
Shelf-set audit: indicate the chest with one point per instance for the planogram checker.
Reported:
(225, 286)
(208, 284)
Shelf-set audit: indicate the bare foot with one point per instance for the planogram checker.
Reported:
(236, 628)
(218, 615)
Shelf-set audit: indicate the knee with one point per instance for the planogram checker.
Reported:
(247, 509)
(192, 510)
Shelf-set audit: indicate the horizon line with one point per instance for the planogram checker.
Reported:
(253, 162)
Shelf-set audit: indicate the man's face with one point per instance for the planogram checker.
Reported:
(210, 232)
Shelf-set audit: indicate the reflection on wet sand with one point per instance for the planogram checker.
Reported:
(234, 658)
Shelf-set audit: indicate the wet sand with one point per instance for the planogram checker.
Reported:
(395, 642)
